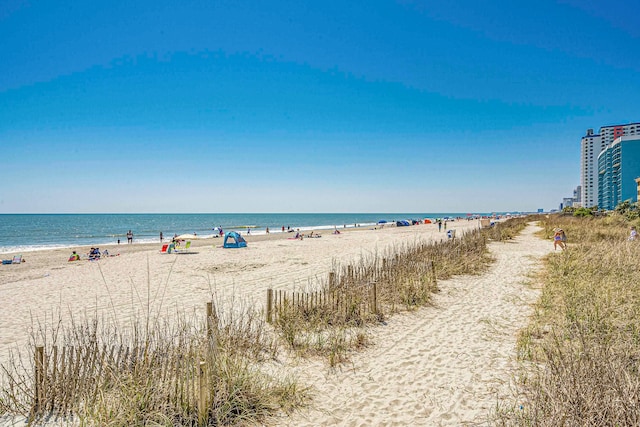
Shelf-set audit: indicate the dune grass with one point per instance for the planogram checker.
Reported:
(581, 352)
(405, 278)
(149, 372)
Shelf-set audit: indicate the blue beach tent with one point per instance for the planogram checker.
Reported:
(234, 240)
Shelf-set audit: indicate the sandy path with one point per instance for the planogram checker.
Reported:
(443, 365)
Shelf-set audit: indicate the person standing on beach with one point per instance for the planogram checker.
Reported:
(559, 239)
(439, 225)
(129, 237)
(161, 237)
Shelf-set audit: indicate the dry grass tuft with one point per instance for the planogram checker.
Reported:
(581, 353)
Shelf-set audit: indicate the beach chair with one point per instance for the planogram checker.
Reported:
(17, 259)
(164, 248)
(184, 249)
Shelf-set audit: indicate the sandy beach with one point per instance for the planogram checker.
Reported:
(442, 365)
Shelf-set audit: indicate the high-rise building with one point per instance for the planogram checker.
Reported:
(590, 147)
(567, 202)
(618, 168)
(577, 195)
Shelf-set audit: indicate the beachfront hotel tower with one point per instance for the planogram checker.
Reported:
(590, 147)
(618, 169)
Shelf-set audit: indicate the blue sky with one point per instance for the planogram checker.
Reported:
(290, 106)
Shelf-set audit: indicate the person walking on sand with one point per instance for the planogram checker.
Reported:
(129, 237)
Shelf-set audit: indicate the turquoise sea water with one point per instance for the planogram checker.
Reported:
(29, 232)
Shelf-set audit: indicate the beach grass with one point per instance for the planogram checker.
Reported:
(187, 371)
(580, 353)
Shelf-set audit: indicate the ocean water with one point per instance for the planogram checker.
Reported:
(30, 232)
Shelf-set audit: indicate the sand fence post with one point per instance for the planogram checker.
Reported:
(375, 298)
(209, 319)
(332, 279)
(269, 305)
(39, 379)
(202, 398)
(54, 375)
(434, 280)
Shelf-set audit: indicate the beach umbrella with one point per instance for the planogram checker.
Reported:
(187, 237)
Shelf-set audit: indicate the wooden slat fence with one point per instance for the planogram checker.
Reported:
(330, 303)
(354, 293)
(69, 377)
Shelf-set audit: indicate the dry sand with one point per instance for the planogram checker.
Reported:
(442, 365)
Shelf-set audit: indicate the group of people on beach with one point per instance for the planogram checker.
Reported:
(93, 255)
(441, 223)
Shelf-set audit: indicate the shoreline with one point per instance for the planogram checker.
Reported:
(198, 240)
(35, 232)
(156, 241)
